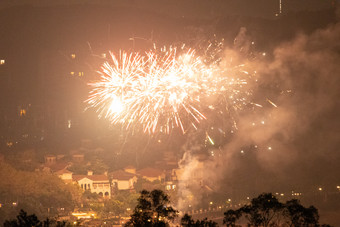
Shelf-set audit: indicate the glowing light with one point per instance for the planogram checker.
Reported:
(272, 103)
(162, 90)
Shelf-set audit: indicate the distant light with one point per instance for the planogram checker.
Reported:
(69, 124)
(338, 187)
(2, 61)
(14, 203)
(211, 203)
(282, 194)
(253, 43)
(247, 197)
(73, 56)
(269, 148)
(320, 189)
(262, 122)
(242, 152)
(264, 54)
(72, 73)
(229, 200)
(103, 55)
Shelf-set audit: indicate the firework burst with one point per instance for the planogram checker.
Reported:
(162, 90)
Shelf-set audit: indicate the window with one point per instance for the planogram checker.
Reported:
(22, 112)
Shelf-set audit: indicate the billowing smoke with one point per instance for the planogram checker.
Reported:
(292, 141)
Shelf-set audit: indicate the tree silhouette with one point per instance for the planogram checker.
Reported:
(230, 217)
(152, 210)
(299, 215)
(266, 210)
(187, 221)
(263, 210)
(24, 220)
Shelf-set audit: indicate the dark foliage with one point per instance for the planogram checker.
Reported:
(266, 210)
(152, 210)
(24, 220)
(187, 221)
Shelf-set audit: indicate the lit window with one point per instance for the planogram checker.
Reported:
(72, 73)
(81, 74)
(2, 62)
(73, 56)
(22, 112)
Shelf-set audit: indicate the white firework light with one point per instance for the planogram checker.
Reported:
(162, 90)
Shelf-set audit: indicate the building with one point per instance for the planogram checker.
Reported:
(65, 175)
(122, 180)
(152, 174)
(130, 169)
(99, 184)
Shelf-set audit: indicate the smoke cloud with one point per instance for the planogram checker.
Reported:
(290, 143)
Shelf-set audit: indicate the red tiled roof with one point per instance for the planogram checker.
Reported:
(150, 172)
(121, 175)
(58, 166)
(62, 171)
(91, 177)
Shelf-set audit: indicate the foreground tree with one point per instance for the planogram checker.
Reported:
(24, 220)
(187, 221)
(299, 215)
(152, 210)
(230, 217)
(266, 210)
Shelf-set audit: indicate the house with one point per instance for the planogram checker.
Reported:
(151, 174)
(78, 157)
(50, 159)
(122, 180)
(130, 169)
(65, 175)
(99, 184)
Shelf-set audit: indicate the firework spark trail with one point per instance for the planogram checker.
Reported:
(161, 91)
